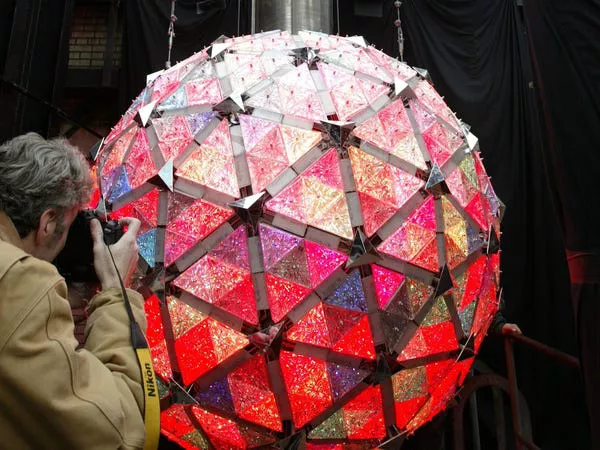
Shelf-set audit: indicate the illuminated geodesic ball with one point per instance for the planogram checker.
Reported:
(319, 242)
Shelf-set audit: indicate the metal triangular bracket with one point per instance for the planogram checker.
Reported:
(152, 76)
(248, 209)
(362, 252)
(472, 141)
(383, 370)
(180, 396)
(166, 174)
(423, 72)
(142, 117)
(246, 203)
(94, 151)
(444, 283)
(232, 104)
(338, 132)
(305, 54)
(401, 87)
(493, 242)
(217, 48)
(436, 182)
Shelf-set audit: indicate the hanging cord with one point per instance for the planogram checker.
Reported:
(337, 7)
(398, 24)
(239, 5)
(171, 32)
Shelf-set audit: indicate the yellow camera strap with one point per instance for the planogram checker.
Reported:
(142, 352)
(151, 398)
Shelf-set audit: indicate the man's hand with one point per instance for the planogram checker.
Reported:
(511, 328)
(125, 253)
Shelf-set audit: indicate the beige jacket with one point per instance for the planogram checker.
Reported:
(53, 396)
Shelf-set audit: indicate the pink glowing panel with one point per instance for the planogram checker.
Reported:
(298, 94)
(363, 415)
(271, 148)
(203, 92)
(441, 142)
(139, 165)
(267, 99)
(113, 157)
(298, 141)
(266, 160)
(173, 135)
(190, 224)
(201, 343)
(435, 103)
(383, 189)
(387, 283)
(211, 164)
(254, 130)
(294, 266)
(178, 427)
(414, 241)
(316, 197)
(223, 278)
(391, 130)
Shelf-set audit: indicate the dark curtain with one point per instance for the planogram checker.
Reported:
(478, 56)
(145, 48)
(567, 64)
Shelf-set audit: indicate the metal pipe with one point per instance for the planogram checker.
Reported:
(293, 15)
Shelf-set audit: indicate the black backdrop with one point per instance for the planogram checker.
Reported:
(527, 79)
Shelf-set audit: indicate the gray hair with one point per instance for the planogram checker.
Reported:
(38, 174)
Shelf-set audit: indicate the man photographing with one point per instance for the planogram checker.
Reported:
(52, 395)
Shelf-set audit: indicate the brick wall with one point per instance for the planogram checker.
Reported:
(89, 35)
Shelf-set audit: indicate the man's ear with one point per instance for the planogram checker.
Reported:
(47, 226)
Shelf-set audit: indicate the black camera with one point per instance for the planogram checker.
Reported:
(76, 261)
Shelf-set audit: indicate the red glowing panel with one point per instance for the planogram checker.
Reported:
(224, 433)
(363, 415)
(252, 395)
(307, 385)
(156, 338)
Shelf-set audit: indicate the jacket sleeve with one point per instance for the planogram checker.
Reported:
(82, 399)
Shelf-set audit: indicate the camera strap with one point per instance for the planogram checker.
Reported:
(142, 351)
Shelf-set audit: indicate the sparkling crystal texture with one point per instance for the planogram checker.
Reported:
(268, 323)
